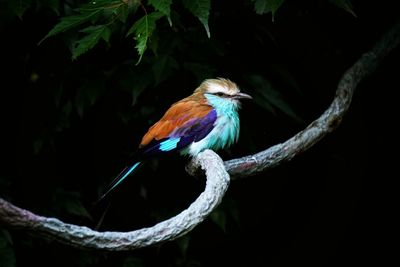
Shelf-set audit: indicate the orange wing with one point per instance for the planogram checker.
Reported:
(177, 115)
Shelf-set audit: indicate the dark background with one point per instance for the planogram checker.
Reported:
(70, 126)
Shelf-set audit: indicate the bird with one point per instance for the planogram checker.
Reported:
(207, 119)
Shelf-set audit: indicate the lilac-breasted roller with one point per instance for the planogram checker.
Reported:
(207, 119)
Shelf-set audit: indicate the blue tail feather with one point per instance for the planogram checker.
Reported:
(124, 173)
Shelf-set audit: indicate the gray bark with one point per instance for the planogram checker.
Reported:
(84, 238)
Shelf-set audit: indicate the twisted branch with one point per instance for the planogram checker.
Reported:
(83, 237)
(327, 122)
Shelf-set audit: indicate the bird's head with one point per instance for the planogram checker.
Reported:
(222, 89)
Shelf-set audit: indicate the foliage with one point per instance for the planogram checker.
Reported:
(267, 6)
(201, 9)
(94, 12)
(118, 11)
(7, 256)
(93, 36)
(143, 29)
(95, 19)
(344, 4)
(163, 6)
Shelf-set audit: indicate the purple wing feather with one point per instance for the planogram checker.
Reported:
(192, 131)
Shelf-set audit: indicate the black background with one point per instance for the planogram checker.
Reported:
(334, 204)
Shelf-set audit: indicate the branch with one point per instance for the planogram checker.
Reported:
(326, 123)
(83, 237)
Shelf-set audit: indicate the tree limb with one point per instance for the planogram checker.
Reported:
(326, 123)
(83, 237)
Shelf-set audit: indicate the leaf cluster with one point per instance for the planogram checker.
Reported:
(96, 20)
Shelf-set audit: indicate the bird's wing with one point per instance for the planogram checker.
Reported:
(185, 122)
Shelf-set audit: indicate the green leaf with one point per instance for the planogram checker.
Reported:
(75, 207)
(266, 6)
(133, 81)
(113, 10)
(200, 70)
(53, 5)
(93, 36)
(7, 255)
(164, 6)
(268, 97)
(142, 30)
(87, 95)
(218, 216)
(70, 202)
(18, 7)
(122, 13)
(38, 145)
(132, 261)
(344, 4)
(99, 5)
(70, 22)
(201, 9)
(5, 234)
(163, 67)
(183, 244)
(139, 85)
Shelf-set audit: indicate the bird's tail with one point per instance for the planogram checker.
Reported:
(117, 180)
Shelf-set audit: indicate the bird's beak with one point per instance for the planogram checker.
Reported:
(242, 96)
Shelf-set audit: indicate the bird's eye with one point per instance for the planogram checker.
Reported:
(219, 94)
